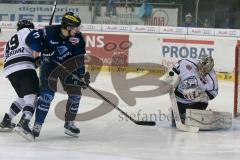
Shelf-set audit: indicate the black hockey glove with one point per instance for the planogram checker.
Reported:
(48, 55)
(86, 80)
(81, 80)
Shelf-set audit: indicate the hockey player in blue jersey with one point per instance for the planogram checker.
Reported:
(58, 44)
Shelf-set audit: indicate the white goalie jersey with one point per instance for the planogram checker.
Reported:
(189, 78)
(18, 56)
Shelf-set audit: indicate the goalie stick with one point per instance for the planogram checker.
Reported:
(144, 123)
(177, 118)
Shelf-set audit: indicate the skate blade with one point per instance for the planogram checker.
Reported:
(6, 129)
(76, 135)
(24, 134)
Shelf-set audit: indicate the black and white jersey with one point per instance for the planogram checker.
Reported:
(189, 78)
(17, 55)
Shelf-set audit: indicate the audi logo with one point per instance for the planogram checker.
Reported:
(111, 46)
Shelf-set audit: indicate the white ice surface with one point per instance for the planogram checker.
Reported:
(112, 138)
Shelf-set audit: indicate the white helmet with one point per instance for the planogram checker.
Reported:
(205, 65)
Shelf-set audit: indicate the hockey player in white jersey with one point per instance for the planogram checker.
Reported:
(195, 83)
(19, 68)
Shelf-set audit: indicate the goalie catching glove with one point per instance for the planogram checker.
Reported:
(195, 95)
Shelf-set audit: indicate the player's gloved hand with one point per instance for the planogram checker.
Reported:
(81, 80)
(191, 94)
(86, 80)
(195, 94)
(37, 62)
(48, 55)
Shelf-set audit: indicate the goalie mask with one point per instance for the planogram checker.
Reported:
(205, 65)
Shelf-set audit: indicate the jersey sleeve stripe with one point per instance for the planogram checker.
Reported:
(19, 59)
(192, 62)
(212, 81)
(210, 95)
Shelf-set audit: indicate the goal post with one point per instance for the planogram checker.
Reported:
(237, 81)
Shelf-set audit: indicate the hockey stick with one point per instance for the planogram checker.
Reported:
(144, 123)
(177, 117)
(53, 12)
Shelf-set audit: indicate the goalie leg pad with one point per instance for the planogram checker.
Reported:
(208, 120)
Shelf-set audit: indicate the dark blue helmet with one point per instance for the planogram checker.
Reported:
(70, 20)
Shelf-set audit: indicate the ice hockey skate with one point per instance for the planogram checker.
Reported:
(36, 130)
(71, 129)
(6, 125)
(23, 129)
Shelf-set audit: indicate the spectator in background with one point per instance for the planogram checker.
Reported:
(111, 8)
(132, 4)
(22, 2)
(206, 23)
(229, 22)
(96, 4)
(145, 10)
(188, 21)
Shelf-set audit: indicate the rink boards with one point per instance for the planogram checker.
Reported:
(145, 48)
